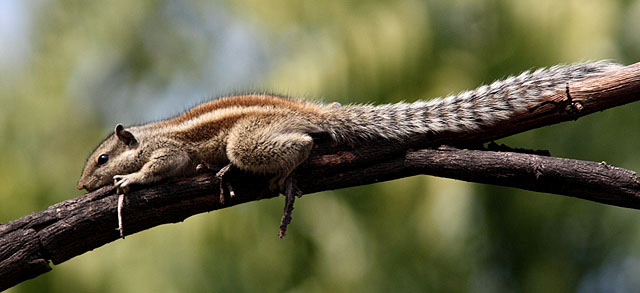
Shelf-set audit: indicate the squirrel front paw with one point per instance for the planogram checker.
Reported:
(123, 182)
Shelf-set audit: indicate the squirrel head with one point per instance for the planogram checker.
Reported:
(116, 155)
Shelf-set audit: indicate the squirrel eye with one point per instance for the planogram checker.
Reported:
(103, 159)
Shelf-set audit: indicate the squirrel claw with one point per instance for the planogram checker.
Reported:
(123, 183)
(223, 183)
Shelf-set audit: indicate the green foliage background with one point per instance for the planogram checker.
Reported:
(71, 70)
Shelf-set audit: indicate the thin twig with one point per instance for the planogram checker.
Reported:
(120, 204)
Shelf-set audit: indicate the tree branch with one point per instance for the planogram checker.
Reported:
(78, 225)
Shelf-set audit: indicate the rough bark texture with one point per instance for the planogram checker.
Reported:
(78, 225)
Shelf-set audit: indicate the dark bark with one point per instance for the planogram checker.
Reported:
(78, 225)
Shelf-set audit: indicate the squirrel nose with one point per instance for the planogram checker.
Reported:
(80, 185)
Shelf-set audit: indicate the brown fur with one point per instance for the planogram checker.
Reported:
(259, 133)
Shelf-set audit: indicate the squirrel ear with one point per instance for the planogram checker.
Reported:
(125, 136)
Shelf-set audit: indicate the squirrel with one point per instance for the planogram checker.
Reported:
(270, 134)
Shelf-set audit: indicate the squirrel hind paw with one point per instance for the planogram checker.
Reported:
(221, 175)
(205, 167)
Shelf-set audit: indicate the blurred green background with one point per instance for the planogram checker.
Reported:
(71, 70)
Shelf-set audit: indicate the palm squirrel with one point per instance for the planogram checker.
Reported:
(271, 134)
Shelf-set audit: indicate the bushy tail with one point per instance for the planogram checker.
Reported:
(465, 112)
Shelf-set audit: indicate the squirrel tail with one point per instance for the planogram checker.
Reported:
(465, 112)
